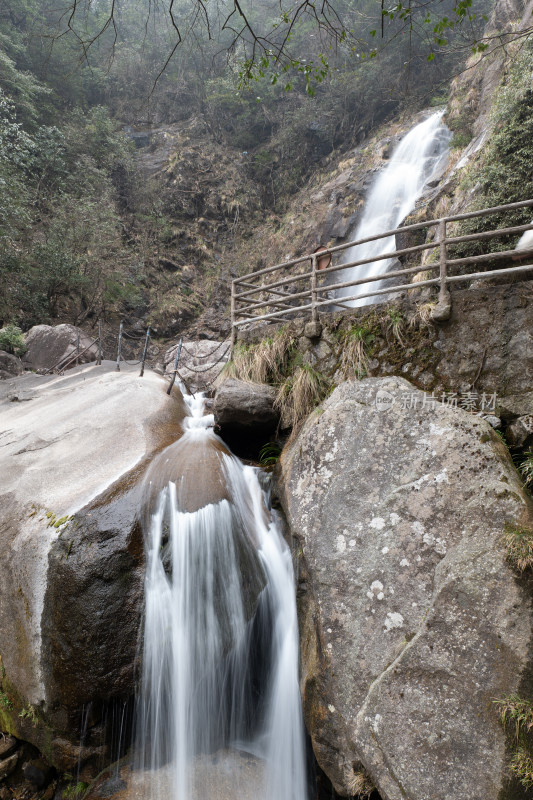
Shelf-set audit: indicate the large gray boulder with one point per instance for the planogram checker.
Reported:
(412, 621)
(200, 362)
(54, 346)
(10, 365)
(243, 405)
(72, 460)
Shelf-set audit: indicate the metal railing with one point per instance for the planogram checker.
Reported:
(300, 288)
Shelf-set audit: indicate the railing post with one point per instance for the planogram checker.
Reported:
(233, 326)
(99, 359)
(178, 353)
(314, 297)
(77, 348)
(443, 309)
(119, 347)
(144, 352)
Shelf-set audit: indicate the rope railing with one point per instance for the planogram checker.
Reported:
(111, 346)
(299, 286)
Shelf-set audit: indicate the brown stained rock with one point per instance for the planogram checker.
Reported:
(196, 466)
(412, 621)
(224, 775)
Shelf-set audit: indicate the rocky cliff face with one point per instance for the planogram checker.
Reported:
(412, 620)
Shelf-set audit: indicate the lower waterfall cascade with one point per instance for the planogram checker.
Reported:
(219, 710)
(420, 158)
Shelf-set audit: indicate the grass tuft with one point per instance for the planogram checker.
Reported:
(514, 710)
(300, 394)
(422, 316)
(75, 791)
(356, 346)
(264, 362)
(522, 766)
(360, 784)
(396, 325)
(526, 468)
(519, 545)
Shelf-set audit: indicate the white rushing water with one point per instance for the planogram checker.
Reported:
(219, 711)
(419, 158)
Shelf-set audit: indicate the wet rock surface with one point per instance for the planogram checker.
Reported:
(93, 603)
(70, 547)
(412, 621)
(225, 775)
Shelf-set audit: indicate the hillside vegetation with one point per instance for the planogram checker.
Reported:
(88, 229)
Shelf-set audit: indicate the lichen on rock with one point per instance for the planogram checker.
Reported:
(412, 621)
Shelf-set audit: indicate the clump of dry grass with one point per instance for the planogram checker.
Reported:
(264, 362)
(517, 712)
(239, 366)
(300, 394)
(396, 325)
(360, 784)
(422, 315)
(356, 343)
(424, 275)
(526, 469)
(519, 545)
(272, 356)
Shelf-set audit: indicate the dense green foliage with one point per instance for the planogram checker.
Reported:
(81, 232)
(504, 173)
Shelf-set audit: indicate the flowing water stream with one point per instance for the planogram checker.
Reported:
(219, 709)
(420, 158)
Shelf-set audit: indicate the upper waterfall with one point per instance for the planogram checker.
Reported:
(419, 159)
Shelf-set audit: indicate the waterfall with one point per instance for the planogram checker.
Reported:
(420, 158)
(219, 710)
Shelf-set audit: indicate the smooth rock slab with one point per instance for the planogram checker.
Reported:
(71, 590)
(412, 622)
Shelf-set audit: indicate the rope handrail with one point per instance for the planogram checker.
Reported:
(209, 366)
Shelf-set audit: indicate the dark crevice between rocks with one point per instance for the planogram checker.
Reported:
(245, 444)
